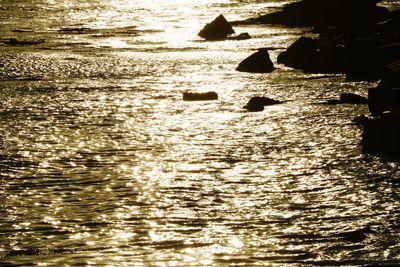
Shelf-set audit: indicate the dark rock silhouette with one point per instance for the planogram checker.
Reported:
(348, 98)
(16, 42)
(386, 96)
(359, 59)
(240, 36)
(354, 15)
(259, 62)
(312, 55)
(367, 59)
(257, 103)
(218, 29)
(361, 120)
(189, 96)
(358, 235)
(381, 135)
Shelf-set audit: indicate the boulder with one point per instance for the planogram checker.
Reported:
(381, 136)
(257, 103)
(189, 96)
(386, 96)
(299, 52)
(259, 62)
(313, 55)
(218, 29)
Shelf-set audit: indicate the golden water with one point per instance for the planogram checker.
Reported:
(102, 163)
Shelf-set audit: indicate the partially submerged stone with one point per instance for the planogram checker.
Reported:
(259, 62)
(257, 103)
(189, 96)
(349, 98)
(218, 29)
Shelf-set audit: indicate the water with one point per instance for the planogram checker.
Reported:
(102, 163)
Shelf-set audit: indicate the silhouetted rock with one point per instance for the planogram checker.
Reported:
(349, 14)
(367, 60)
(259, 62)
(392, 24)
(348, 98)
(358, 235)
(188, 96)
(381, 136)
(257, 103)
(218, 29)
(16, 42)
(241, 36)
(312, 55)
(386, 96)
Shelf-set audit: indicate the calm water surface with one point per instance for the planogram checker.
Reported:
(102, 163)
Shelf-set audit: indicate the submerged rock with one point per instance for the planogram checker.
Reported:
(240, 36)
(16, 42)
(349, 98)
(218, 29)
(259, 62)
(257, 103)
(189, 96)
(358, 235)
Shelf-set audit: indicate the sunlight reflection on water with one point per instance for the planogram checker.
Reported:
(103, 163)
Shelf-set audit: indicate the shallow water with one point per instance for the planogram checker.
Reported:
(102, 163)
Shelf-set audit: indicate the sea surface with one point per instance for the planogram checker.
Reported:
(103, 164)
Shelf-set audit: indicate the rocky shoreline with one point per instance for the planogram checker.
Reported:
(357, 38)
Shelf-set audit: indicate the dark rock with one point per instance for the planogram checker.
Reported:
(218, 29)
(348, 98)
(386, 96)
(358, 235)
(361, 120)
(311, 55)
(241, 36)
(366, 61)
(188, 96)
(381, 136)
(259, 62)
(257, 103)
(392, 24)
(329, 32)
(348, 14)
(16, 42)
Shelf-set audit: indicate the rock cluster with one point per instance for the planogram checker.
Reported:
(357, 38)
(381, 135)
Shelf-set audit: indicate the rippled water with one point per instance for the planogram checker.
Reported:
(102, 163)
